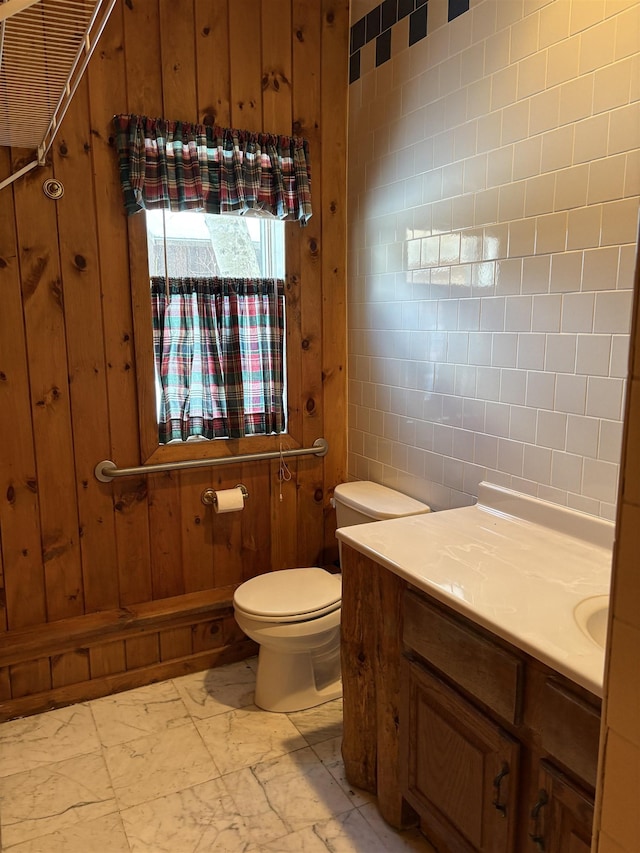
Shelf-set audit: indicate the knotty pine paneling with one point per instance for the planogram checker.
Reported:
(307, 56)
(334, 212)
(107, 83)
(276, 63)
(20, 549)
(75, 362)
(212, 62)
(86, 368)
(49, 389)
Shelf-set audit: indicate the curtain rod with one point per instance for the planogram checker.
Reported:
(107, 470)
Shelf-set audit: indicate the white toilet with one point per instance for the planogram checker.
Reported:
(294, 614)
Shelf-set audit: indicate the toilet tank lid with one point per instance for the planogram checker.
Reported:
(378, 501)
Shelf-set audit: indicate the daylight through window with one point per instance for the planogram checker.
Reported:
(206, 244)
(218, 324)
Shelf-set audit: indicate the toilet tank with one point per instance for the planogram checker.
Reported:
(364, 501)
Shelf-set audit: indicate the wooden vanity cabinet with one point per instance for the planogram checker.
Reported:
(489, 750)
(483, 730)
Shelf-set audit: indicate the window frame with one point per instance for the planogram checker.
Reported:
(151, 451)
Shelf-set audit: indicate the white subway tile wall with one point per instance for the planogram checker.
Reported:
(494, 180)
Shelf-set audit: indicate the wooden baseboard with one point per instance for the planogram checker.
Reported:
(74, 660)
(66, 635)
(107, 685)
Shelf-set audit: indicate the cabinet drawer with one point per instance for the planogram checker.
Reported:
(474, 663)
(570, 730)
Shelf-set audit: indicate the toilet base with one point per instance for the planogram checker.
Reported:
(294, 682)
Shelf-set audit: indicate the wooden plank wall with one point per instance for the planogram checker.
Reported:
(110, 586)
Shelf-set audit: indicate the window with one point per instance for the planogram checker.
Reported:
(187, 168)
(205, 244)
(218, 324)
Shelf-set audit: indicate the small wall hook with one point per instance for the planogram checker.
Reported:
(53, 189)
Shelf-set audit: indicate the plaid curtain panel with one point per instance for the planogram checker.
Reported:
(181, 166)
(218, 345)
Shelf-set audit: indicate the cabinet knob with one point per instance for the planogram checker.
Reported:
(501, 807)
(535, 835)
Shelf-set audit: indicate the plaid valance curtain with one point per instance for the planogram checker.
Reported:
(181, 166)
(218, 346)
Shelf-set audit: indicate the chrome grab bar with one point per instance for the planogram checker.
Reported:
(106, 471)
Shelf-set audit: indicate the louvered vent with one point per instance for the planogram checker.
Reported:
(45, 46)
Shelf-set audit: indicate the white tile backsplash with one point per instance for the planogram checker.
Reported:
(531, 351)
(619, 365)
(583, 435)
(613, 312)
(600, 480)
(504, 350)
(494, 179)
(570, 393)
(560, 354)
(551, 431)
(593, 355)
(540, 389)
(610, 443)
(604, 397)
(577, 312)
(547, 313)
(566, 471)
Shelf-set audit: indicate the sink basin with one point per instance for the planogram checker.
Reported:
(592, 616)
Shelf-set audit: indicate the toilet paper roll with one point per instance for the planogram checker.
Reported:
(229, 500)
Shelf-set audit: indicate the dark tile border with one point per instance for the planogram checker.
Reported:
(379, 22)
(389, 14)
(456, 8)
(383, 47)
(418, 25)
(354, 67)
(358, 31)
(373, 23)
(405, 7)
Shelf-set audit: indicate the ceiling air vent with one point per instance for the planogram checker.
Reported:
(45, 46)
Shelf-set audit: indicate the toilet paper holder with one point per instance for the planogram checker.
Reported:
(209, 497)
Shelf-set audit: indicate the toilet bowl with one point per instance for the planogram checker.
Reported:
(294, 614)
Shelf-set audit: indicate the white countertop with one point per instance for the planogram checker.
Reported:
(513, 564)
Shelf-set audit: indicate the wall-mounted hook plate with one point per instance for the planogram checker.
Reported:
(53, 189)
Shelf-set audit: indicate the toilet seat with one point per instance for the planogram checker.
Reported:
(289, 595)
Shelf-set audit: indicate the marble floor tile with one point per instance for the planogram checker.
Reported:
(249, 736)
(54, 797)
(46, 738)
(195, 820)
(159, 764)
(304, 841)
(320, 723)
(102, 835)
(300, 790)
(399, 842)
(330, 754)
(217, 691)
(250, 802)
(349, 833)
(188, 765)
(135, 713)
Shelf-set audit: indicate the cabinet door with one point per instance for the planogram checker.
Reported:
(562, 817)
(459, 769)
